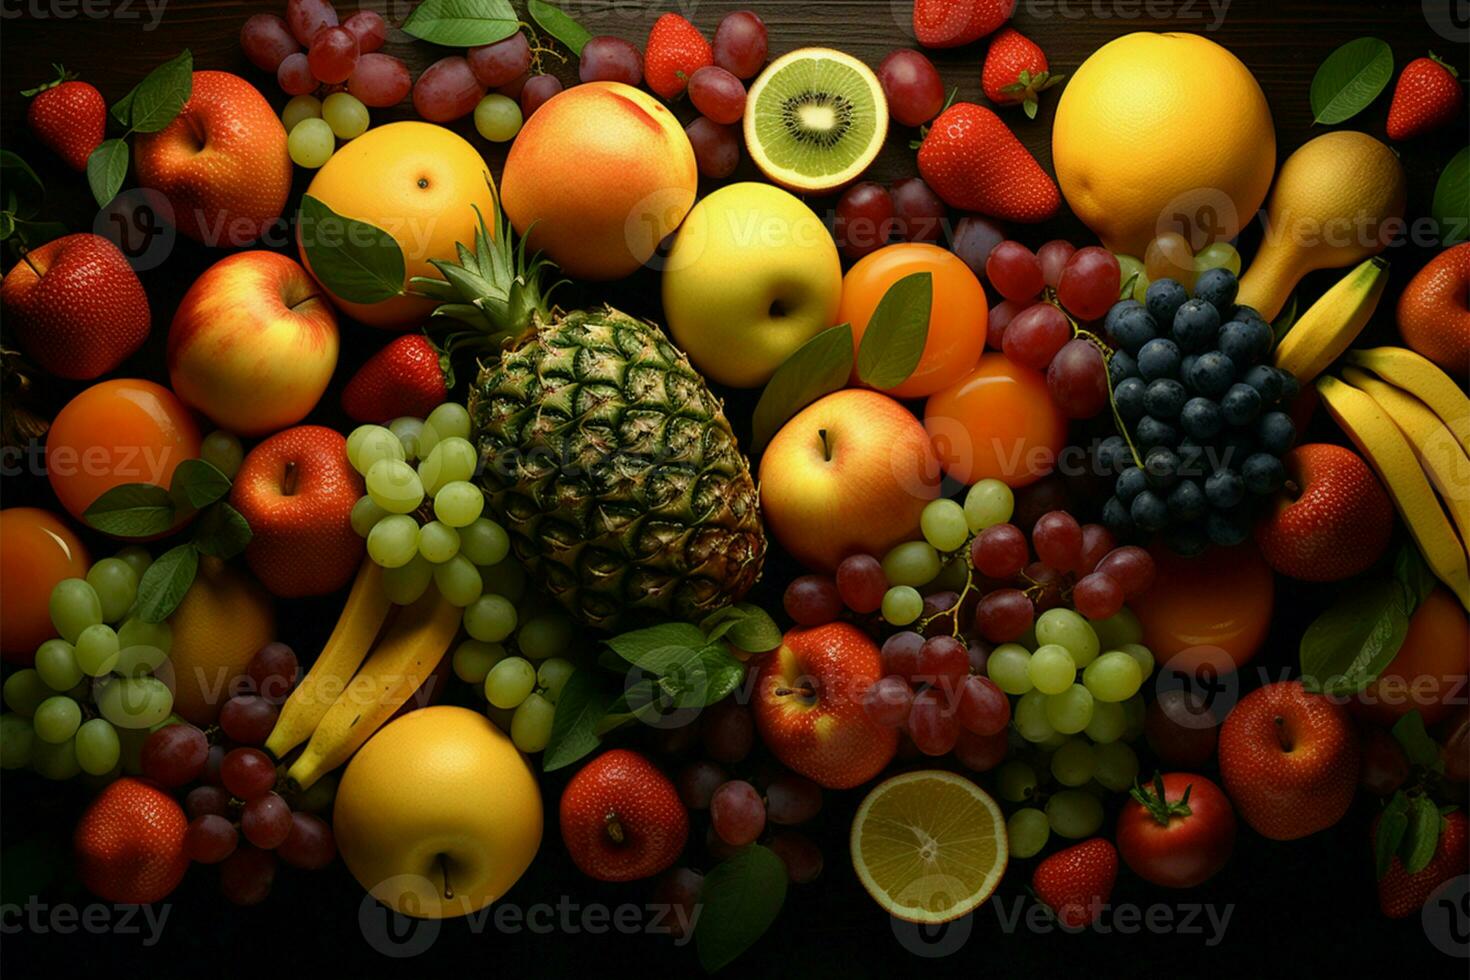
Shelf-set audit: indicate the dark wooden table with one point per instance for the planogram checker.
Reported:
(1300, 909)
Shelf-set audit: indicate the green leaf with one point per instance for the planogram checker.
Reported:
(166, 582)
(32, 233)
(156, 100)
(1421, 836)
(753, 629)
(107, 167)
(1414, 575)
(1347, 646)
(222, 531)
(559, 24)
(1350, 78)
(198, 482)
(1451, 206)
(22, 189)
(1391, 827)
(818, 367)
(582, 705)
(133, 510)
(1422, 750)
(722, 672)
(462, 23)
(642, 646)
(358, 262)
(741, 897)
(894, 341)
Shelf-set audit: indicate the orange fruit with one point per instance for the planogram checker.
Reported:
(999, 421)
(1211, 610)
(225, 617)
(421, 184)
(1429, 671)
(37, 550)
(957, 314)
(116, 432)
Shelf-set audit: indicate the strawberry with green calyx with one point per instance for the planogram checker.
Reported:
(1016, 71)
(1427, 96)
(975, 163)
(408, 377)
(68, 116)
(1417, 844)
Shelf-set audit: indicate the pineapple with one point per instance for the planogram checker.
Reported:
(602, 450)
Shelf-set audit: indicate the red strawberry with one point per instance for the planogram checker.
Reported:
(76, 306)
(951, 23)
(675, 51)
(621, 818)
(1426, 97)
(70, 117)
(1016, 71)
(1401, 894)
(408, 377)
(975, 163)
(130, 844)
(1076, 883)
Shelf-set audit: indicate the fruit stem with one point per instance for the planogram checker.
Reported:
(444, 871)
(613, 827)
(806, 692)
(1157, 804)
(826, 446)
(288, 480)
(1281, 736)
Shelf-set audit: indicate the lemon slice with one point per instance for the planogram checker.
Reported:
(929, 846)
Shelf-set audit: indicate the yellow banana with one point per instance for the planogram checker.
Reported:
(1422, 378)
(1376, 436)
(362, 617)
(407, 654)
(1332, 323)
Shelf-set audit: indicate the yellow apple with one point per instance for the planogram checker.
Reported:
(438, 815)
(848, 475)
(753, 275)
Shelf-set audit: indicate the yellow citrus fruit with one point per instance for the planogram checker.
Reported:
(421, 184)
(1163, 132)
(225, 617)
(929, 846)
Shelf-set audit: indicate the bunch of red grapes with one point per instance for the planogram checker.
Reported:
(310, 48)
(236, 793)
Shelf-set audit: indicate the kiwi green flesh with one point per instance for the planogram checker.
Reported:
(815, 117)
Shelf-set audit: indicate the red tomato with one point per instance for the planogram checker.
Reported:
(1179, 833)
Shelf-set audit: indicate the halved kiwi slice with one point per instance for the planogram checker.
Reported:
(815, 119)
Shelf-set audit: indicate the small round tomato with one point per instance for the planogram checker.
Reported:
(37, 550)
(957, 314)
(998, 420)
(1178, 832)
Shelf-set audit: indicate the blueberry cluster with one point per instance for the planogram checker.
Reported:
(1205, 413)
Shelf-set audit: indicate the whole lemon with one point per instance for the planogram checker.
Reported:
(225, 617)
(1163, 132)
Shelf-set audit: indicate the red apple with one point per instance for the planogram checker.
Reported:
(809, 705)
(253, 344)
(849, 474)
(296, 490)
(1332, 519)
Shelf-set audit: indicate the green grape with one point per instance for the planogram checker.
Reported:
(1027, 830)
(1119, 628)
(484, 542)
(58, 762)
(311, 143)
(366, 515)
(473, 659)
(134, 702)
(1107, 722)
(902, 604)
(137, 558)
(498, 118)
(552, 677)
(490, 618)
(913, 563)
(530, 726)
(1132, 279)
(1074, 762)
(394, 486)
(944, 525)
(408, 429)
(1009, 665)
(1134, 712)
(393, 541)
(428, 439)
(505, 578)
(545, 636)
(452, 459)
(459, 581)
(375, 444)
(1218, 255)
(1142, 656)
(354, 442)
(1074, 813)
(407, 582)
(509, 682)
(449, 419)
(438, 542)
(1117, 766)
(97, 746)
(459, 503)
(987, 503)
(1015, 781)
(24, 691)
(1070, 711)
(1030, 717)
(135, 633)
(347, 116)
(1114, 676)
(300, 107)
(223, 451)
(1052, 742)
(116, 585)
(97, 650)
(138, 661)
(1051, 669)
(56, 662)
(74, 607)
(17, 736)
(57, 718)
(1066, 627)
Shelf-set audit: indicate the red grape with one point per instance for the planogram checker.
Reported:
(697, 782)
(942, 661)
(207, 799)
(792, 799)
(938, 613)
(266, 821)
(919, 211)
(266, 40)
(737, 813)
(369, 28)
(803, 858)
(306, 17)
(248, 773)
(513, 88)
(310, 844)
(209, 839)
(861, 583)
(1131, 567)
(1001, 315)
(1014, 271)
(447, 90)
(294, 74)
(502, 62)
(1054, 255)
(932, 725)
(716, 147)
(727, 731)
(1385, 765)
(246, 876)
(333, 55)
(537, 91)
(981, 753)
(678, 891)
(865, 219)
(273, 669)
(1078, 379)
(974, 239)
(1004, 615)
(1057, 538)
(979, 655)
(719, 95)
(1046, 494)
(175, 755)
(1034, 335)
(379, 81)
(1089, 284)
(248, 719)
(1000, 551)
(901, 654)
(887, 701)
(740, 44)
(812, 600)
(211, 774)
(1050, 581)
(1096, 542)
(610, 59)
(1097, 596)
(913, 86)
(981, 706)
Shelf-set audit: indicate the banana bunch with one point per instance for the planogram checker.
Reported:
(1412, 422)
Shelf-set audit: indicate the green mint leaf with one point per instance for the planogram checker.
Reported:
(1350, 79)
(133, 510)
(1410, 733)
(752, 630)
(107, 168)
(1347, 646)
(818, 367)
(166, 583)
(722, 673)
(1391, 827)
(357, 261)
(741, 897)
(645, 645)
(462, 23)
(222, 532)
(1451, 205)
(579, 710)
(894, 340)
(198, 482)
(1421, 836)
(559, 24)
(1413, 575)
(156, 100)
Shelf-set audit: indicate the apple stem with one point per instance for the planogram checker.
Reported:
(806, 692)
(826, 446)
(288, 481)
(1281, 736)
(444, 870)
(614, 827)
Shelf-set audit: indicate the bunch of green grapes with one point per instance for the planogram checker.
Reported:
(423, 522)
(91, 697)
(520, 675)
